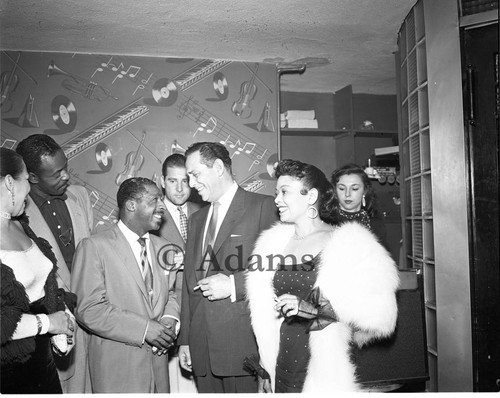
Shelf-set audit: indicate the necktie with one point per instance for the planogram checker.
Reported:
(145, 268)
(210, 237)
(183, 223)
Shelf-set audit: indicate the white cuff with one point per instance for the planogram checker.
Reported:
(177, 325)
(45, 323)
(144, 337)
(233, 288)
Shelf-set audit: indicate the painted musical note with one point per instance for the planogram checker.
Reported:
(8, 143)
(226, 141)
(204, 126)
(94, 194)
(115, 68)
(139, 87)
(249, 144)
(146, 81)
(109, 218)
(255, 162)
(261, 156)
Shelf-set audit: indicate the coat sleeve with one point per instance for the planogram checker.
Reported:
(93, 308)
(267, 216)
(173, 306)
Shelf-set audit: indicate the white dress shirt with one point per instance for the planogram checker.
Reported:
(172, 209)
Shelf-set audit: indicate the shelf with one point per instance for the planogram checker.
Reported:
(334, 133)
(311, 132)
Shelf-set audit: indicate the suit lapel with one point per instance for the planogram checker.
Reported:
(199, 226)
(75, 212)
(127, 258)
(41, 228)
(234, 213)
(158, 278)
(172, 233)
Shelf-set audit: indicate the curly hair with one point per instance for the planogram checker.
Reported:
(132, 189)
(311, 177)
(34, 148)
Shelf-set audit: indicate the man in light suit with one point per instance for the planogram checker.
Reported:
(175, 183)
(216, 334)
(124, 296)
(61, 213)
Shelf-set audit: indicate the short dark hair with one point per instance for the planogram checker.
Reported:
(34, 147)
(11, 163)
(370, 195)
(210, 152)
(174, 160)
(132, 189)
(311, 177)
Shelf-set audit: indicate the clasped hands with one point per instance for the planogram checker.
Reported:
(161, 335)
(290, 305)
(215, 287)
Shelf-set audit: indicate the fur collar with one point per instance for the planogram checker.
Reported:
(357, 275)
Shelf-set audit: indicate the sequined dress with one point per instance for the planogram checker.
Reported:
(293, 355)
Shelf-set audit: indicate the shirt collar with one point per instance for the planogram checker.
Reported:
(172, 208)
(130, 235)
(226, 199)
(41, 198)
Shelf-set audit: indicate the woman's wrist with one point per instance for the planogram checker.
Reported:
(43, 323)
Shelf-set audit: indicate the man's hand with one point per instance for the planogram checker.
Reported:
(160, 336)
(216, 287)
(185, 358)
(287, 304)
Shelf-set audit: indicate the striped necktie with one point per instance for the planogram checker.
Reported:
(147, 275)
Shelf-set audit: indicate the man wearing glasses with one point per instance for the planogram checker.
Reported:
(62, 214)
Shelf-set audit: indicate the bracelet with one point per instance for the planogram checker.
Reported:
(45, 323)
(38, 324)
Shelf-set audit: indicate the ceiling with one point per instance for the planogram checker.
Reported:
(341, 41)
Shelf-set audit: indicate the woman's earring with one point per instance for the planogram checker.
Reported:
(363, 201)
(314, 213)
(13, 198)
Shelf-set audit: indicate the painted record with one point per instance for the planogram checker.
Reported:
(63, 113)
(220, 86)
(164, 92)
(103, 157)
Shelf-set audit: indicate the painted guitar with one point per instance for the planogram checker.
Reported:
(133, 163)
(8, 83)
(248, 90)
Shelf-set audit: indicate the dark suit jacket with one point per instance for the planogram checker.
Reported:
(222, 328)
(170, 232)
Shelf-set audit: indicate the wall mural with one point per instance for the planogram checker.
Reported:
(120, 116)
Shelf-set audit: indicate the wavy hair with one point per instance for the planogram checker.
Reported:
(311, 177)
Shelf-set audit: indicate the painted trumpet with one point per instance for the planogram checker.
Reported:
(80, 85)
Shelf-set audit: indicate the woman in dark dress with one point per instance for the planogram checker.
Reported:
(356, 200)
(315, 289)
(33, 308)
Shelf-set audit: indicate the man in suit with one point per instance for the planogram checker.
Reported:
(124, 296)
(62, 214)
(175, 183)
(216, 334)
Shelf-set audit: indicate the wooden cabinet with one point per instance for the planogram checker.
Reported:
(341, 138)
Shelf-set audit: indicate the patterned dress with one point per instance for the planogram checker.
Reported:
(293, 356)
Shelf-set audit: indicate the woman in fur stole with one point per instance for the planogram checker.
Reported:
(314, 289)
